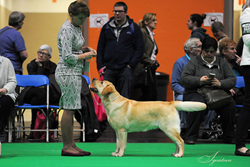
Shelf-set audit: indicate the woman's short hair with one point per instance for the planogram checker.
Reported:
(15, 18)
(148, 17)
(198, 18)
(122, 4)
(46, 47)
(79, 7)
(225, 43)
(209, 42)
(190, 43)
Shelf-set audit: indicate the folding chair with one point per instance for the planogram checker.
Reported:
(240, 83)
(55, 108)
(35, 81)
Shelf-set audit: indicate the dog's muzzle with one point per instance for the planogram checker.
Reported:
(93, 90)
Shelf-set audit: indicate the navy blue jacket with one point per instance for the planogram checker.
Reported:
(117, 53)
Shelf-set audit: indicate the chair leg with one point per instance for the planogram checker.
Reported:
(10, 129)
(83, 131)
(19, 124)
(47, 128)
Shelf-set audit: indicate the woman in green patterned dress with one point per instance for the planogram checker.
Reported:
(69, 71)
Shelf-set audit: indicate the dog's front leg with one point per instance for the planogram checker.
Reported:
(117, 144)
(121, 142)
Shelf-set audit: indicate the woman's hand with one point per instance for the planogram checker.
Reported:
(215, 82)
(3, 91)
(232, 92)
(38, 60)
(88, 55)
(205, 80)
(238, 59)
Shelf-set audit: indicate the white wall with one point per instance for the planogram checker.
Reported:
(37, 6)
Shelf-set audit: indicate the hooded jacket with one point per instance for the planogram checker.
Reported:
(118, 49)
(199, 33)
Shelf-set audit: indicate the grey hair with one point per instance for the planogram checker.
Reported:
(16, 17)
(246, 5)
(46, 47)
(190, 43)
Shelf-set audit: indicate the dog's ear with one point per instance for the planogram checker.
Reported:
(107, 90)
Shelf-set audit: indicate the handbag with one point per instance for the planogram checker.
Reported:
(214, 97)
(39, 124)
(142, 77)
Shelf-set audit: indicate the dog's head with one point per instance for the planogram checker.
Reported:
(102, 88)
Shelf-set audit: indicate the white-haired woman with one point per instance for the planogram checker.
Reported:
(41, 65)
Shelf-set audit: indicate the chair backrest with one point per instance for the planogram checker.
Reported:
(87, 78)
(240, 83)
(32, 80)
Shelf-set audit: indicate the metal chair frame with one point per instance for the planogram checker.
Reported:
(24, 81)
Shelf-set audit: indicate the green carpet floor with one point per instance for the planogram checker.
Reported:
(136, 155)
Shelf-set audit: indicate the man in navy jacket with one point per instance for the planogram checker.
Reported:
(120, 48)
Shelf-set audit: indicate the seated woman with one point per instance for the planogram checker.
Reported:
(7, 92)
(195, 75)
(227, 48)
(41, 65)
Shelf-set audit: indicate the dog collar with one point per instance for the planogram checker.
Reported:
(111, 100)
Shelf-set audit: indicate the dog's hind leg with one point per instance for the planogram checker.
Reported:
(174, 135)
(121, 142)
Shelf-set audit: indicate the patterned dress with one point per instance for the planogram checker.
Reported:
(68, 71)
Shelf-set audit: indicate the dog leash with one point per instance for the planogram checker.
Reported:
(99, 104)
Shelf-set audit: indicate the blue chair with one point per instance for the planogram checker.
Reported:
(240, 83)
(87, 79)
(34, 81)
(56, 109)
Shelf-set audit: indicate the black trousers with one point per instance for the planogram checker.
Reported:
(35, 96)
(243, 122)
(6, 106)
(195, 118)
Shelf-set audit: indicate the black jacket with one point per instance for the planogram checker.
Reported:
(117, 51)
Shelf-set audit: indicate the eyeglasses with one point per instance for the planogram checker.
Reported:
(118, 11)
(42, 53)
(154, 20)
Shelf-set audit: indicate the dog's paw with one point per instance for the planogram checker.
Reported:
(176, 155)
(115, 154)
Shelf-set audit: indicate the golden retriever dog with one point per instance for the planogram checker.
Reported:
(126, 115)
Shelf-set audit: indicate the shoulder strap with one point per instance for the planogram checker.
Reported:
(132, 27)
(5, 30)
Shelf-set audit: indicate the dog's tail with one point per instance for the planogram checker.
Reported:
(189, 106)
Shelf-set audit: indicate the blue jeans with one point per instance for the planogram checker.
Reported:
(122, 80)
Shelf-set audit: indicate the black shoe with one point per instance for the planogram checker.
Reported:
(237, 152)
(189, 142)
(31, 136)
